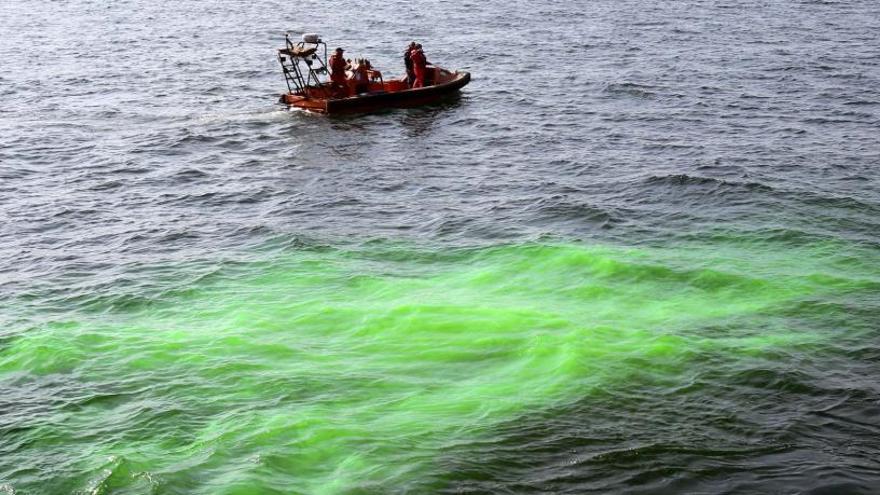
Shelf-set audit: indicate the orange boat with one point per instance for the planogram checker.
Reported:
(304, 63)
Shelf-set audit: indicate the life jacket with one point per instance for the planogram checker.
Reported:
(337, 67)
(419, 60)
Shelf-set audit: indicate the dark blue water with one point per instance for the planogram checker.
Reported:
(142, 147)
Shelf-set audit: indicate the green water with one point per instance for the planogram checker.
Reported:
(365, 369)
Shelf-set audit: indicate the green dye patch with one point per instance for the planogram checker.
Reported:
(351, 371)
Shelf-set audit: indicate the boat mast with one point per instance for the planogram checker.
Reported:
(306, 51)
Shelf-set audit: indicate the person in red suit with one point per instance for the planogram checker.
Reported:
(338, 80)
(407, 62)
(420, 66)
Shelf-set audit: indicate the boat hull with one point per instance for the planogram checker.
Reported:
(379, 100)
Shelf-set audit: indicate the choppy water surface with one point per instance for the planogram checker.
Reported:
(638, 254)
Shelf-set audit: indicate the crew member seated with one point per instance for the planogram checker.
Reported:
(373, 74)
(360, 78)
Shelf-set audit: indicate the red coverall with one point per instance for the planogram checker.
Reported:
(419, 67)
(337, 74)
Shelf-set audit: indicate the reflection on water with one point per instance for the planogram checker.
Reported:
(419, 121)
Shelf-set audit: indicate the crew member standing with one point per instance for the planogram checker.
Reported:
(407, 61)
(338, 80)
(420, 66)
